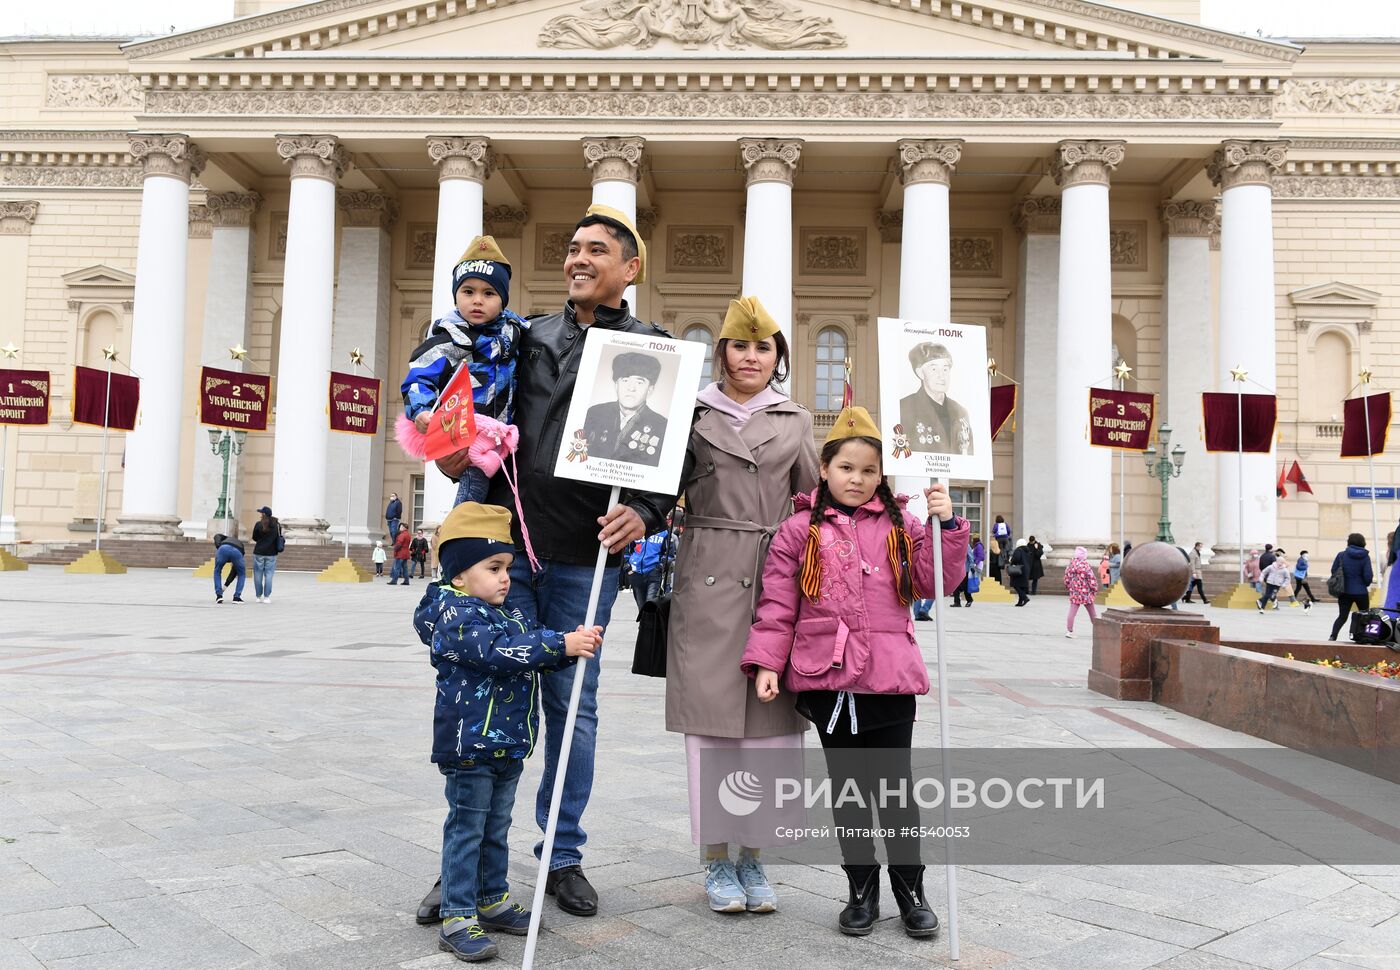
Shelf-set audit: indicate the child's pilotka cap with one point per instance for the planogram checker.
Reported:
(483, 260)
(853, 422)
(470, 533)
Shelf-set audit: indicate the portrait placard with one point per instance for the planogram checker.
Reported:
(935, 416)
(629, 418)
(232, 399)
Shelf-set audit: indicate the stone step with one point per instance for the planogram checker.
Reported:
(191, 553)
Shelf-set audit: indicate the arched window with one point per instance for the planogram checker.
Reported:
(701, 334)
(1125, 342)
(101, 330)
(831, 369)
(1332, 374)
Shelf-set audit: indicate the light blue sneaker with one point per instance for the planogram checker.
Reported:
(759, 897)
(722, 886)
(464, 938)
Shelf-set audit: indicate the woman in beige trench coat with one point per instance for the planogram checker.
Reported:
(750, 450)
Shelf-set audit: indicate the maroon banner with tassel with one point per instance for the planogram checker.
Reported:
(1354, 413)
(1222, 412)
(24, 396)
(1121, 419)
(1003, 406)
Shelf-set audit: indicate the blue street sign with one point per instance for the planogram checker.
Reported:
(1363, 491)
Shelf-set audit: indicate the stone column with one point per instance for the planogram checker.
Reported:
(228, 303)
(1244, 172)
(151, 481)
(1188, 354)
(616, 164)
(770, 165)
(16, 221)
(362, 321)
(1083, 340)
(464, 164)
(1038, 294)
(304, 354)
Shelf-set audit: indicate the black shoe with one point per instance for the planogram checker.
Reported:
(572, 890)
(907, 884)
(863, 907)
(924, 617)
(428, 908)
(956, 604)
(392, 582)
(238, 599)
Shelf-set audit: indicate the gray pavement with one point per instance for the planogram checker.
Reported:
(190, 785)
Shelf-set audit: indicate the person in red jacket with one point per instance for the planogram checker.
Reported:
(402, 541)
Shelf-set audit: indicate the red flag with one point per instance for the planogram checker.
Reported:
(90, 393)
(1281, 490)
(1222, 412)
(1354, 432)
(848, 393)
(1295, 475)
(452, 426)
(1120, 419)
(1003, 406)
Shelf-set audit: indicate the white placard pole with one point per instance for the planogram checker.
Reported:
(350, 465)
(102, 477)
(944, 733)
(566, 743)
(1371, 468)
(1239, 457)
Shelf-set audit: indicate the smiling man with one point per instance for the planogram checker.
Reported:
(934, 421)
(627, 429)
(568, 519)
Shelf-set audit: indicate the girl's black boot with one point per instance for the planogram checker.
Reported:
(907, 884)
(863, 908)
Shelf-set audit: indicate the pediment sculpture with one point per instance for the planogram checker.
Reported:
(734, 24)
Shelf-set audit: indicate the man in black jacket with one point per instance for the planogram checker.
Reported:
(605, 256)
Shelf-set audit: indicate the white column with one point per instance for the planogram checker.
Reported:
(925, 280)
(770, 165)
(1033, 492)
(1188, 355)
(228, 304)
(616, 165)
(1083, 340)
(1244, 172)
(304, 354)
(464, 165)
(362, 321)
(151, 481)
(16, 221)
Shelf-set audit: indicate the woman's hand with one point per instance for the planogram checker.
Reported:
(454, 465)
(940, 506)
(765, 683)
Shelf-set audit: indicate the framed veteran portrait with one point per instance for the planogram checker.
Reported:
(934, 409)
(630, 414)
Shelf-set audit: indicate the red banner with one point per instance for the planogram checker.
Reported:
(452, 426)
(1121, 419)
(231, 399)
(24, 397)
(1227, 414)
(90, 397)
(1354, 432)
(1003, 406)
(355, 403)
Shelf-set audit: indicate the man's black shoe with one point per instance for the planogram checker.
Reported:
(428, 908)
(572, 890)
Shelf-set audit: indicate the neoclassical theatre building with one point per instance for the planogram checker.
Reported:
(1091, 183)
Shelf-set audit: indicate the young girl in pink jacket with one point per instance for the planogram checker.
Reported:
(833, 626)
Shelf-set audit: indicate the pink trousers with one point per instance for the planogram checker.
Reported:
(1074, 608)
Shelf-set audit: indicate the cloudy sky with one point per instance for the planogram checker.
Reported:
(1275, 18)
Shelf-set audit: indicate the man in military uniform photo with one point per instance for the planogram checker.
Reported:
(933, 421)
(627, 429)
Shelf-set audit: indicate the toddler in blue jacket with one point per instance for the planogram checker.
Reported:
(485, 718)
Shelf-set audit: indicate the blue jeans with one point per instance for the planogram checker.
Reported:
(922, 607)
(224, 556)
(393, 528)
(472, 487)
(557, 598)
(474, 853)
(399, 571)
(263, 568)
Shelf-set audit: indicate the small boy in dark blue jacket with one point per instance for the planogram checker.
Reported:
(485, 719)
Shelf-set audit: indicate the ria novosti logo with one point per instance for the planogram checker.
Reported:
(740, 793)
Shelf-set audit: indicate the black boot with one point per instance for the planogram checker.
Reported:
(863, 908)
(907, 884)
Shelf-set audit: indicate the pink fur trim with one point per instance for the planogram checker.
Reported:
(413, 442)
(493, 442)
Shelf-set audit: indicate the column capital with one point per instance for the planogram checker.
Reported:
(613, 159)
(462, 157)
(770, 159)
(172, 155)
(367, 209)
(314, 156)
(1037, 215)
(647, 216)
(1239, 162)
(1085, 162)
(890, 222)
(201, 222)
(232, 209)
(1186, 217)
(928, 161)
(505, 221)
(17, 218)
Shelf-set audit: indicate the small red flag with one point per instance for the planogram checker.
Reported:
(848, 393)
(1281, 490)
(1355, 435)
(1295, 475)
(1003, 406)
(452, 427)
(90, 398)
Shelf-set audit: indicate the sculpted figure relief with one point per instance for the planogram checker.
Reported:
(772, 24)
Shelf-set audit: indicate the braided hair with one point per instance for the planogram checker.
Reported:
(810, 578)
(899, 544)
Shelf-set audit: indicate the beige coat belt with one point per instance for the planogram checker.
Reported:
(766, 533)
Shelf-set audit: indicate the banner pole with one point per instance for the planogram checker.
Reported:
(349, 467)
(1371, 468)
(944, 733)
(1239, 457)
(4, 453)
(102, 477)
(566, 743)
(1122, 484)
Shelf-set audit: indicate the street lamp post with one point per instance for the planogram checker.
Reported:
(1164, 469)
(225, 444)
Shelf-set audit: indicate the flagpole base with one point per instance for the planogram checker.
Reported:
(993, 592)
(1241, 596)
(95, 563)
(10, 563)
(1115, 595)
(344, 570)
(148, 527)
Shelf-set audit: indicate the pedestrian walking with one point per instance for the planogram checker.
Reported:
(401, 556)
(1193, 562)
(1083, 586)
(1300, 580)
(268, 544)
(1354, 564)
(1036, 551)
(1019, 568)
(1275, 578)
(1115, 564)
(964, 589)
(418, 552)
(1251, 570)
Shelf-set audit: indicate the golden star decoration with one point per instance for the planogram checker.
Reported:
(10, 351)
(1365, 376)
(991, 367)
(356, 357)
(109, 352)
(1122, 371)
(238, 351)
(1238, 373)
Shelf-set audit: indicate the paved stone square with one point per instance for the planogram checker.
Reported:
(188, 785)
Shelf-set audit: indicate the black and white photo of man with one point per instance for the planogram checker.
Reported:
(933, 421)
(627, 429)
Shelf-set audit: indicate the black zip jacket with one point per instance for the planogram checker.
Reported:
(563, 514)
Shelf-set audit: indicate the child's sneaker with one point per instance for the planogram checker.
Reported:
(506, 916)
(723, 887)
(759, 897)
(464, 938)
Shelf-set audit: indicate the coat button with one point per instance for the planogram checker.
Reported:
(710, 467)
(746, 582)
(709, 580)
(753, 469)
